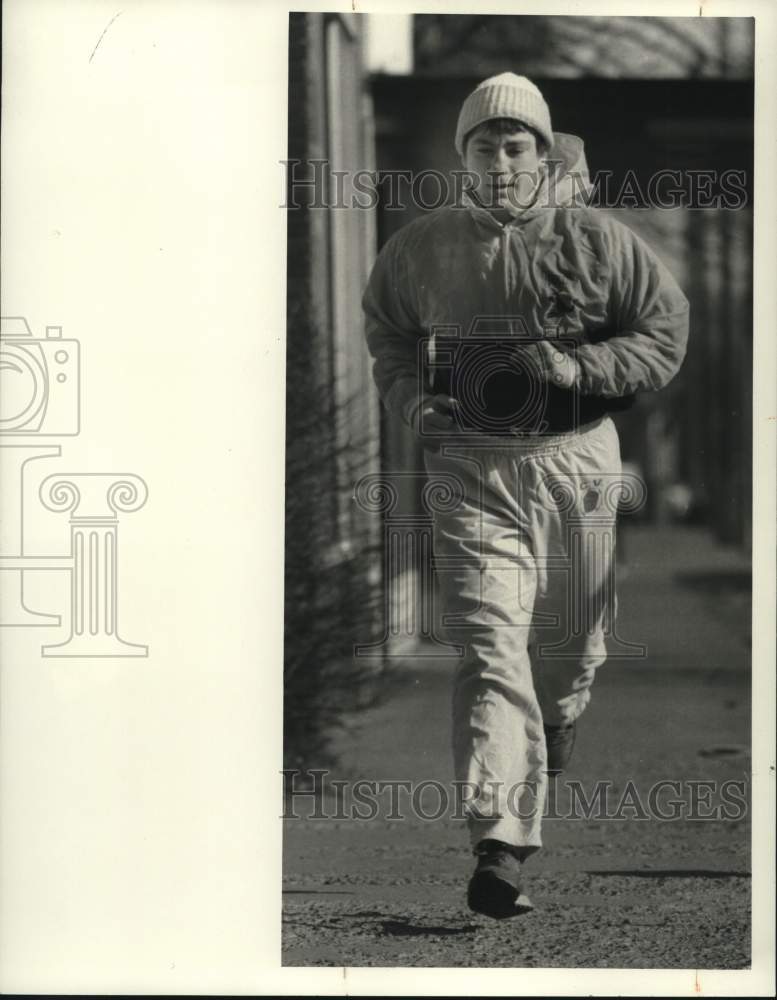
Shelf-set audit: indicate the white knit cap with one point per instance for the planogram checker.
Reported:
(504, 96)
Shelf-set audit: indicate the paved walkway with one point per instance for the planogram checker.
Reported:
(611, 889)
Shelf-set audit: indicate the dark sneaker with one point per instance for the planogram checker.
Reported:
(560, 741)
(495, 888)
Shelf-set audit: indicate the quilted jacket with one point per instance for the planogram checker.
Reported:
(457, 280)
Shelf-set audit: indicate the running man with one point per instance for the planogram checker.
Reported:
(506, 329)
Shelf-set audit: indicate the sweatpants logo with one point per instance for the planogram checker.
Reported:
(588, 507)
(453, 566)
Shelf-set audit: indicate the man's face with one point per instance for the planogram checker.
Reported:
(506, 165)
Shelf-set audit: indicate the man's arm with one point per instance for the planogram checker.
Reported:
(651, 316)
(393, 332)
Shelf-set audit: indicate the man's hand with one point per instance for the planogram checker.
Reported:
(435, 415)
(550, 364)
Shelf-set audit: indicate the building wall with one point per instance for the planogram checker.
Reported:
(333, 580)
(329, 248)
(563, 47)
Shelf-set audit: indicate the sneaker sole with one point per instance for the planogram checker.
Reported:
(493, 897)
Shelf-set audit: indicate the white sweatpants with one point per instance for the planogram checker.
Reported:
(525, 562)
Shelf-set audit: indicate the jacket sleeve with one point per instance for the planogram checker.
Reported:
(650, 315)
(394, 333)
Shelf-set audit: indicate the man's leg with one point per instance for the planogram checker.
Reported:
(575, 545)
(487, 583)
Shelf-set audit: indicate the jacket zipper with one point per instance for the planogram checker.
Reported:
(506, 229)
(505, 245)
